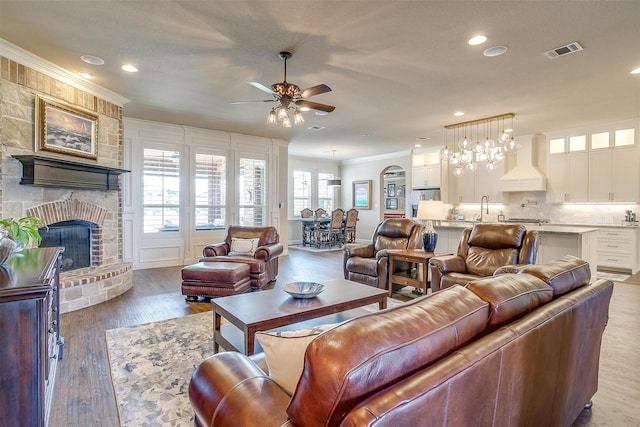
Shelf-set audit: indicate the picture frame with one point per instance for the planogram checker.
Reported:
(392, 203)
(391, 190)
(400, 191)
(362, 194)
(65, 129)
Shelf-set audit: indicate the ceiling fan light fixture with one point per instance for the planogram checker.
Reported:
(272, 118)
(297, 118)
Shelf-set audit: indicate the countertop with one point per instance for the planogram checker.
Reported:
(543, 228)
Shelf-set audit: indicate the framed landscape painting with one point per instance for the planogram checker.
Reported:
(362, 194)
(65, 129)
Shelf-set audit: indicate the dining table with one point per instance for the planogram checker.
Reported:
(309, 226)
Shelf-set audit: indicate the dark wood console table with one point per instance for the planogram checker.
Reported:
(30, 337)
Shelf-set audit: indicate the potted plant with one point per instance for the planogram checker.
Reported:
(22, 230)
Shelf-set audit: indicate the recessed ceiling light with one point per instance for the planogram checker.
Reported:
(458, 113)
(423, 138)
(495, 51)
(129, 68)
(364, 135)
(316, 127)
(85, 75)
(418, 145)
(476, 40)
(318, 113)
(92, 59)
(636, 71)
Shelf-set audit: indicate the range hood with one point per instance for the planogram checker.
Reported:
(525, 176)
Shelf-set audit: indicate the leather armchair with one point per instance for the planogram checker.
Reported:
(263, 263)
(483, 251)
(368, 263)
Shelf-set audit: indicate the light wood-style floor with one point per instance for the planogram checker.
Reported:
(84, 394)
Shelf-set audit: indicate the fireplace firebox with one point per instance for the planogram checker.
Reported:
(77, 239)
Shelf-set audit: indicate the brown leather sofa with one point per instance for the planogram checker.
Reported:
(263, 264)
(515, 349)
(481, 251)
(368, 263)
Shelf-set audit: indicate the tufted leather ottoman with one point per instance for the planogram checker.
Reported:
(214, 279)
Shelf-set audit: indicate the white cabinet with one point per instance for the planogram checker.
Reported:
(600, 165)
(471, 186)
(618, 249)
(553, 245)
(614, 175)
(448, 239)
(426, 171)
(568, 177)
(425, 177)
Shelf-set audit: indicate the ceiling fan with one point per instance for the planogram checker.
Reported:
(290, 98)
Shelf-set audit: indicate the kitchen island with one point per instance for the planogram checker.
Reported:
(554, 241)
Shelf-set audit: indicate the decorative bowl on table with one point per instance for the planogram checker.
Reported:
(303, 289)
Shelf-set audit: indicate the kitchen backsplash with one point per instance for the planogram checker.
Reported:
(533, 206)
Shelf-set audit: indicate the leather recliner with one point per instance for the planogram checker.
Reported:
(368, 263)
(263, 264)
(483, 250)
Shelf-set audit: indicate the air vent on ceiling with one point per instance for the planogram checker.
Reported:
(563, 50)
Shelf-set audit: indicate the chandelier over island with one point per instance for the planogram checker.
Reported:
(481, 142)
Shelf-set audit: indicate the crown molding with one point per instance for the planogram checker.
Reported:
(26, 58)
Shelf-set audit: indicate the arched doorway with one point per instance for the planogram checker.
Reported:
(393, 192)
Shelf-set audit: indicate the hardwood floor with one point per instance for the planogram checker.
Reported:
(84, 394)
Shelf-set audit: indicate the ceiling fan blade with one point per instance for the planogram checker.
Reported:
(262, 87)
(254, 100)
(315, 90)
(315, 105)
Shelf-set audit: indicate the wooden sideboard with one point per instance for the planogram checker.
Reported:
(30, 343)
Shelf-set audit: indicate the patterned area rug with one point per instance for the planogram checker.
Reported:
(152, 364)
(612, 276)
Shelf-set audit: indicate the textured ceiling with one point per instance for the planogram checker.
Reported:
(398, 69)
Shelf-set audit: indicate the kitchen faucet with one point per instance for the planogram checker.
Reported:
(482, 200)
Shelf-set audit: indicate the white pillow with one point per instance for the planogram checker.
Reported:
(284, 353)
(243, 246)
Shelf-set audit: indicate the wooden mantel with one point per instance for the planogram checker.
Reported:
(43, 171)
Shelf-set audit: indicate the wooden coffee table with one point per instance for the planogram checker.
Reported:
(265, 310)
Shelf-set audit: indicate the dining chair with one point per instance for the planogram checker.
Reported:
(308, 229)
(349, 229)
(330, 234)
(319, 213)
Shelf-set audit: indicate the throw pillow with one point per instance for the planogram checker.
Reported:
(284, 353)
(243, 246)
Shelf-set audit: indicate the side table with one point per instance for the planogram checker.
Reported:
(417, 274)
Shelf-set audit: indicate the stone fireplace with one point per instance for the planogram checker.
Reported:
(97, 209)
(93, 281)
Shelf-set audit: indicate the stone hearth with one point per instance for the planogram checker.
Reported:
(102, 281)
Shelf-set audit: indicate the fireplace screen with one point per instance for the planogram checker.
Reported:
(75, 237)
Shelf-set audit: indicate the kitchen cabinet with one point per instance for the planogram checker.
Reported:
(614, 175)
(618, 249)
(448, 239)
(426, 170)
(581, 243)
(471, 186)
(568, 177)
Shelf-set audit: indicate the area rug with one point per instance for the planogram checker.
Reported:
(612, 276)
(152, 364)
(315, 249)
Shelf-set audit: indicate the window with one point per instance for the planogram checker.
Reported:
(161, 184)
(625, 137)
(252, 190)
(301, 191)
(325, 193)
(210, 188)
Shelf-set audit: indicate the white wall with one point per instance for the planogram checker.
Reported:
(150, 250)
(370, 168)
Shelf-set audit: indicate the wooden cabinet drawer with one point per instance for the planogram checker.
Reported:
(616, 234)
(615, 260)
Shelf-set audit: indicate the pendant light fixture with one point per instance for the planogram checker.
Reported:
(466, 155)
(335, 182)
